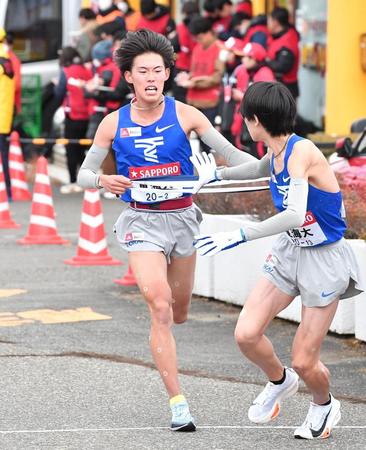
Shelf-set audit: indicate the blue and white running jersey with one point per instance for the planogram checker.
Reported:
(156, 150)
(324, 221)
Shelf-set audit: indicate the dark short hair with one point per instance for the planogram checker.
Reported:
(190, 7)
(109, 28)
(143, 41)
(281, 15)
(209, 6)
(69, 55)
(238, 18)
(119, 35)
(200, 24)
(273, 104)
(147, 6)
(87, 13)
(219, 4)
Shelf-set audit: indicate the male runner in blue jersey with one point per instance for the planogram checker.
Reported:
(310, 258)
(150, 137)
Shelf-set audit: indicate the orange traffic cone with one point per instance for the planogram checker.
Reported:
(5, 218)
(19, 186)
(128, 279)
(42, 226)
(92, 246)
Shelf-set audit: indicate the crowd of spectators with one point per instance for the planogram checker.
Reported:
(221, 48)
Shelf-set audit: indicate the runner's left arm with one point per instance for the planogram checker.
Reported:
(293, 216)
(250, 167)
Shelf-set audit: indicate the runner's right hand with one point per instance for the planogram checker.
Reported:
(117, 184)
(206, 168)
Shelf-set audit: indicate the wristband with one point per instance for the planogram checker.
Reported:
(97, 184)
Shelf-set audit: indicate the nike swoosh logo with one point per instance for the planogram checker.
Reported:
(285, 180)
(327, 294)
(160, 130)
(317, 433)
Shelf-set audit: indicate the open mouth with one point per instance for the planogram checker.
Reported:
(152, 89)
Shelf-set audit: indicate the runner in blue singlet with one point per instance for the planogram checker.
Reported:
(150, 138)
(310, 258)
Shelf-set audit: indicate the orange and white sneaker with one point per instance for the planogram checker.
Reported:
(320, 420)
(267, 405)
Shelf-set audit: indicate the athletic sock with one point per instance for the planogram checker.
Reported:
(177, 399)
(281, 380)
(328, 402)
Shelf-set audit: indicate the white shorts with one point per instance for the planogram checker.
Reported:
(319, 274)
(170, 232)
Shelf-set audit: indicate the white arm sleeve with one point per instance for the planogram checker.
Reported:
(88, 174)
(292, 217)
(224, 148)
(248, 171)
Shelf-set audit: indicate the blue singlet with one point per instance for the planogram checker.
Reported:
(324, 221)
(156, 150)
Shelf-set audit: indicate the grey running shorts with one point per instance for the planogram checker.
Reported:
(170, 232)
(319, 274)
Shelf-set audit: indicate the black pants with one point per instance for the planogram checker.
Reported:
(94, 121)
(179, 93)
(4, 152)
(75, 153)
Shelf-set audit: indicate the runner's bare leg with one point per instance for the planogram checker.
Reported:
(263, 304)
(151, 272)
(315, 323)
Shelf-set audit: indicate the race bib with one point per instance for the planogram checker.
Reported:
(308, 235)
(154, 195)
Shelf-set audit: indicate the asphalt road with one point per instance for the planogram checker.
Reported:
(77, 373)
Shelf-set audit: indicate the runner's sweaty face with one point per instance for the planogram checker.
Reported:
(148, 75)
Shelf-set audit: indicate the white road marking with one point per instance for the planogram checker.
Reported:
(202, 427)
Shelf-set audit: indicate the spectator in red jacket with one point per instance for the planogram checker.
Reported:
(224, 10)
(184, 44)
(69, 89)
(203, 81)
(106, 78)
(283, 49)
(252, 69)
(156, 18)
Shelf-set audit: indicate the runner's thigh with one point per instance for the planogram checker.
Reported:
(150, 270)
(314, 325)
(181, 278)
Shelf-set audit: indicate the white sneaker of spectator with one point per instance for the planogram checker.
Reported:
(70, 188)
(109, 195)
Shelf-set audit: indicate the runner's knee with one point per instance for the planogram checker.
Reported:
(156, 292)
(159, 300)
(161, 312)
(303, 365)
(246, 337)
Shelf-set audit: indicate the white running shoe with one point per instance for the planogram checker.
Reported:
(181, 418)
(267, 405)
(320, 420)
